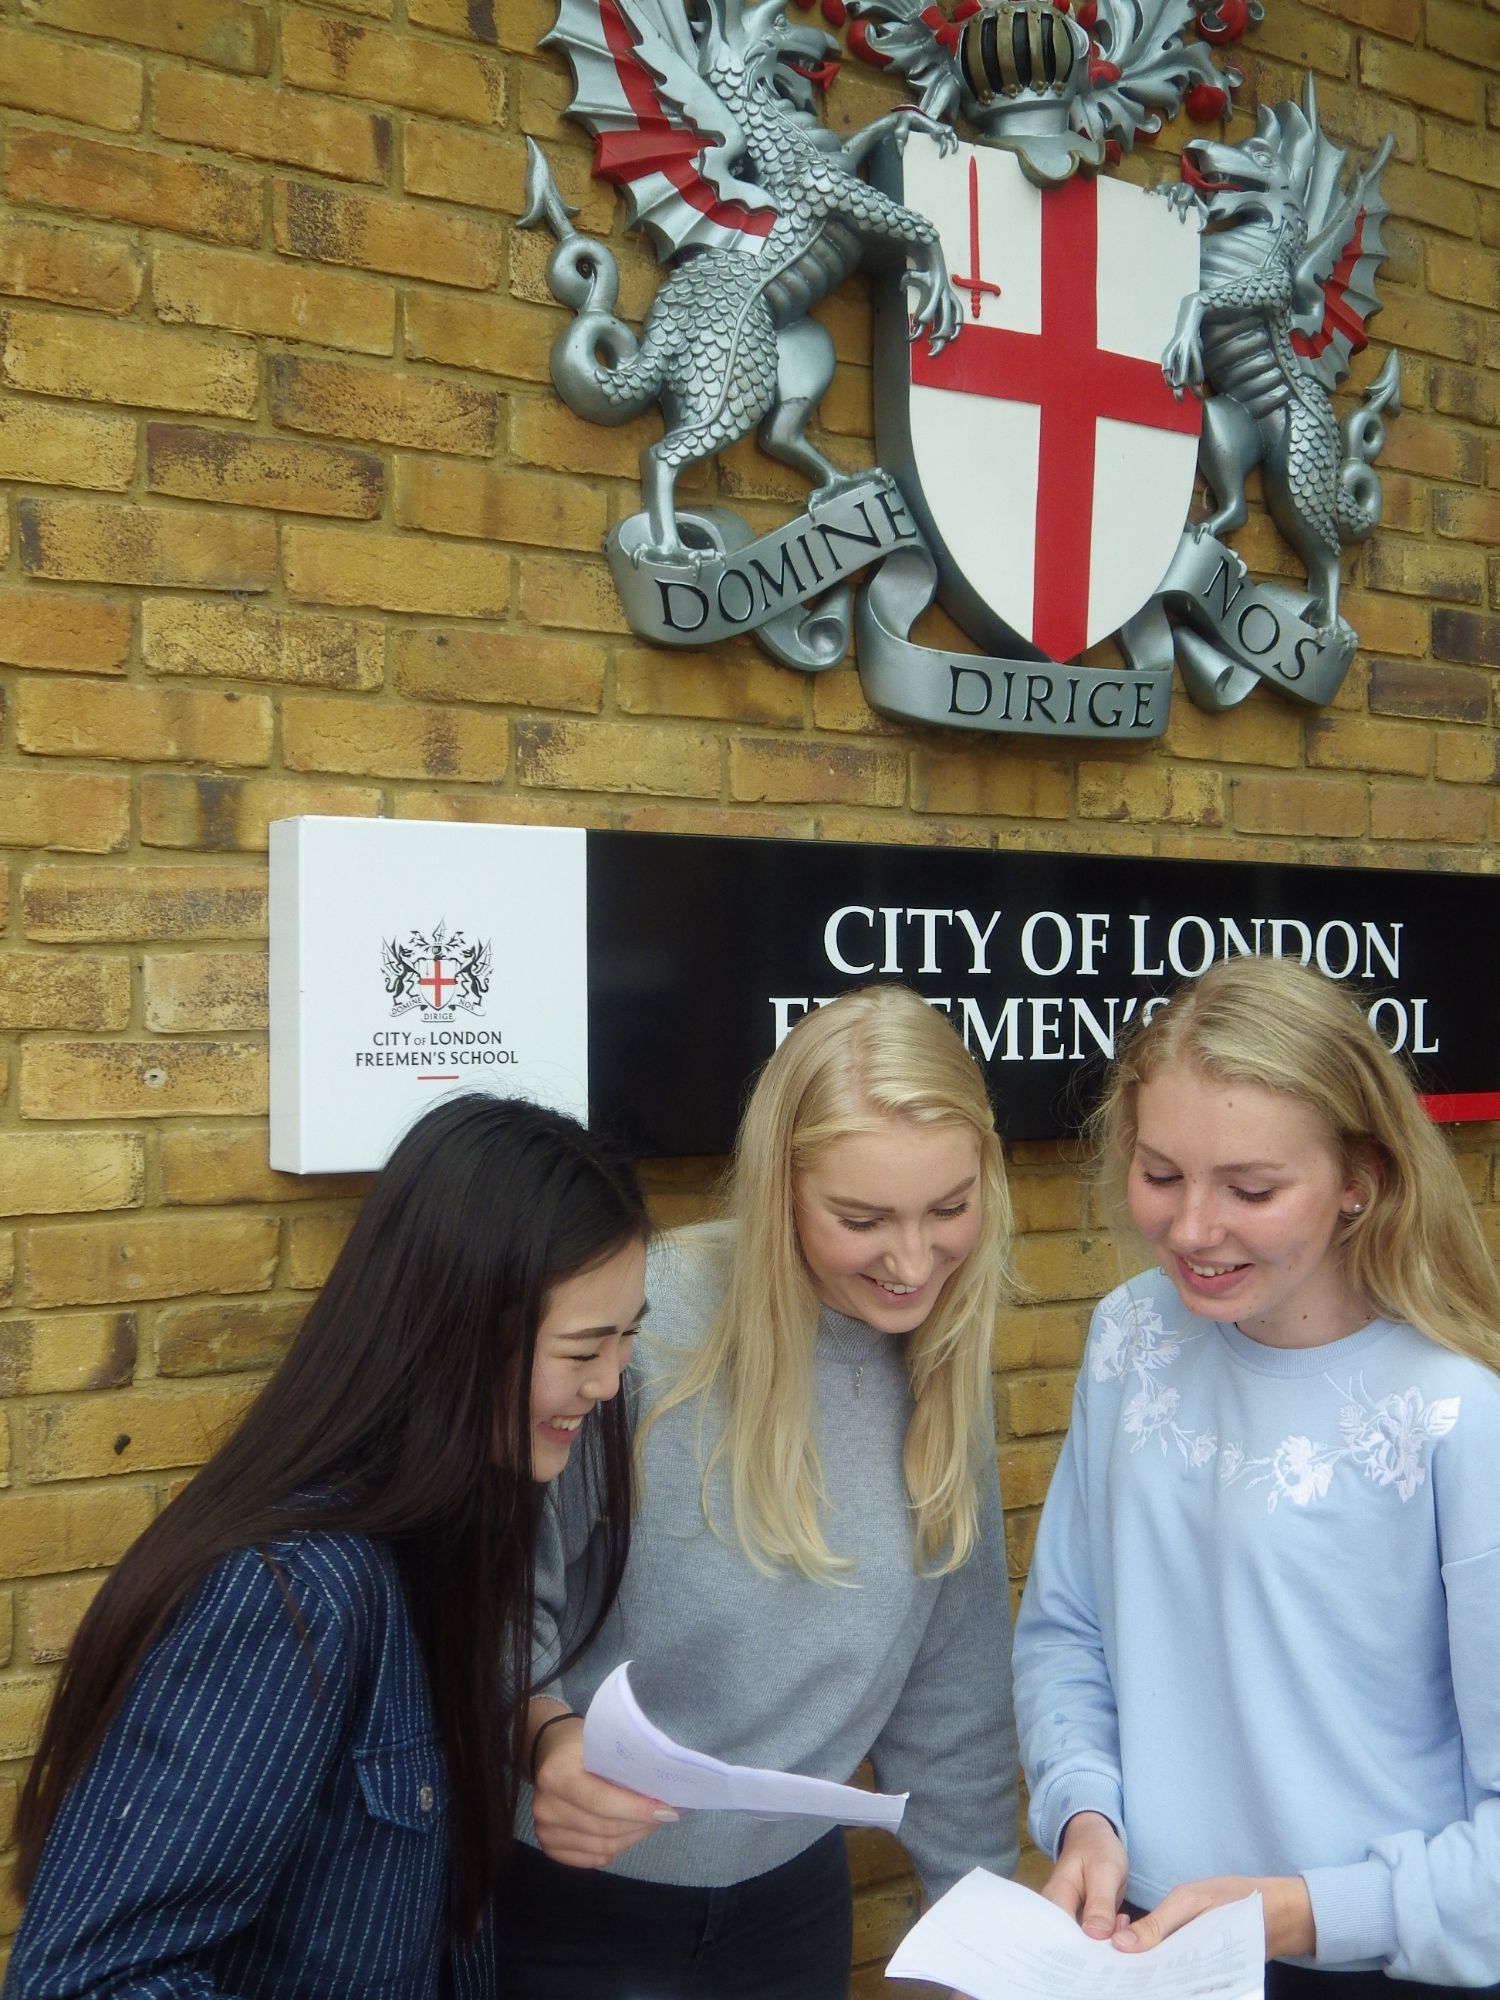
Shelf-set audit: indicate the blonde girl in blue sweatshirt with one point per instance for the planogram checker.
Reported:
(1260, 1646)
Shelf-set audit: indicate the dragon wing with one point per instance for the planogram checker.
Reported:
(661, 132)
(1335, 276)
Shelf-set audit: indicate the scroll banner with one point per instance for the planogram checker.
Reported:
(642, 978)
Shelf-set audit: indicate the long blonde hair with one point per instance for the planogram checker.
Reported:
(1414, 1250)
(874, 1054)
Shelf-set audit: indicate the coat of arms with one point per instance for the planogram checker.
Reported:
(1057, 351)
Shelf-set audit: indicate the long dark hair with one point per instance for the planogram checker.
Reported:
(402, 1410)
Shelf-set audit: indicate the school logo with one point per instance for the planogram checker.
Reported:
(1058, 353)
(438, 972)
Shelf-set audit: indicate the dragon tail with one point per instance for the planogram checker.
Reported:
(598, 367)
(1362, 433)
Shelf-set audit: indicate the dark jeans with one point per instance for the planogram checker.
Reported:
(580, 1934)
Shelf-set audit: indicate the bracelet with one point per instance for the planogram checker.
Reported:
(562, 1715)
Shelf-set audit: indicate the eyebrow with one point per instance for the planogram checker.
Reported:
(602, 1332)
(876, 1208)
(1230, 1166)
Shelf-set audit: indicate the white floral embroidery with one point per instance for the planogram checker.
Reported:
(1387, 1438)
(1131, 1338)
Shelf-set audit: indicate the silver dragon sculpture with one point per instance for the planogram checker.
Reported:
(1287, 275)
(706, 118)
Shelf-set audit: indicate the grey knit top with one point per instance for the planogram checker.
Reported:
(912, 1671)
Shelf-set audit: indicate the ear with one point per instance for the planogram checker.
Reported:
(1361, 1184)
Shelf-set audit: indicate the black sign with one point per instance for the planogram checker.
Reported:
(702, 952)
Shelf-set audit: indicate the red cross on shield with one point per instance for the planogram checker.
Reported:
(1053, 466)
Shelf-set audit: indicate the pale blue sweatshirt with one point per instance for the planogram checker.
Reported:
(1262, 1630)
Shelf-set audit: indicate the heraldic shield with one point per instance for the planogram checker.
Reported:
(1042, 451)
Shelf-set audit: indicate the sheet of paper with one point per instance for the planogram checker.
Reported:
(625, 1746)
(994, 1940)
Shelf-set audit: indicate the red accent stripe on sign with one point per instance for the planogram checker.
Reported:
(1458, 1107)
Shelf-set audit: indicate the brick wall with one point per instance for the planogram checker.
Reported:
(290, 521)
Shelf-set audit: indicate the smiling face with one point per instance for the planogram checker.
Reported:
(1242, 1192)
(886, 1217)
(582, 1350)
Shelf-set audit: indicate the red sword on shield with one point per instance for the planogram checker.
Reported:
(977, 285)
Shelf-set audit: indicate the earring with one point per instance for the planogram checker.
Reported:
(1355, 1208)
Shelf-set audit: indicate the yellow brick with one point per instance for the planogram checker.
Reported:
(218, 814)
(205, 1165)
(397, 572)
(543, 431)
(155, 1079)
(76, 814)
(249, 642)
(1471, 517)
(172, 548)
(7, 1650)
(1465, 32)
(65, 1351)
(489, 807)
(407, 238)
(989, 780)
(480, 20)
(1385, 625)
(70, 267)
(1324, 808)
(617, 757)
(1068, 1267)
(262, 122)
(337, 400)
(64, 355)
(1160, 793)
(763, 768)
(47, 1534)
(52, 989)
(312, 1243)
(570, 592)
(131, 1430)
(249, 294)
(729, 822)
(1420, 812)
(1414, 323)
(229, 34)
(498, 504)
(225, 1339)
(489, 334)
(323, 54)
(53, 1613)
(23, 1703)
(56, 1173)
(133, 184)
(379, 739)
(45, 445)
(64, 79)
(1026, 1473)
(468, 167)
(78, 718)
(1419, 570)
(882, 1917)
(246, 471)
(838, 702)
(148, 1257)
(204, 990)
(458, 664)
(70, 905)
(1466, 757)
(69, 631)
(1354, 743)
(732, 683)
(1458, 271)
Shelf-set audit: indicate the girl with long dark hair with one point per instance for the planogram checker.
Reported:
(284, 1753)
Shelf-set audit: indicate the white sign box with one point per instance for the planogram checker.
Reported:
(411, 960)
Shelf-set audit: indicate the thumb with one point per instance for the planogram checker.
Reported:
(1142, 1934)
(1099, 1915)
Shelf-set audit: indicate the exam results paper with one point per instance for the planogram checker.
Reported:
(993, 1940)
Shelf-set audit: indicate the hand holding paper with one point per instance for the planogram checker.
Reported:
(623, 1745)
(994, 1940)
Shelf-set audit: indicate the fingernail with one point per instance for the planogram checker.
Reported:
(666, 1816)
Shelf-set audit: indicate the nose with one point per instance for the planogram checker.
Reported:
(1197, 1224)
(907, 1256)
(603, 1379)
